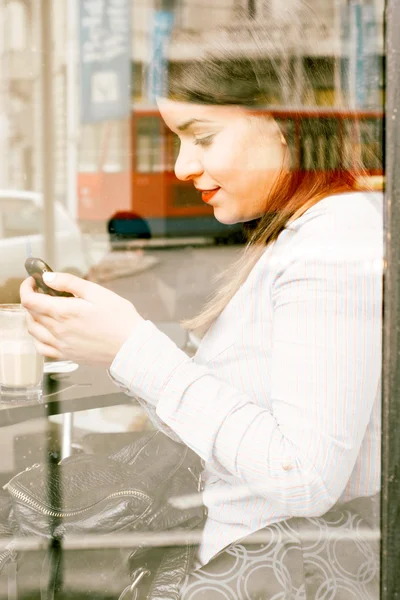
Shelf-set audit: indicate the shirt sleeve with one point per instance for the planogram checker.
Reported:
(148, 408)
(326, 364)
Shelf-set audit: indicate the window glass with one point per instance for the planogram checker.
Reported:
(150, 144)
(27, 220)
(208, 393)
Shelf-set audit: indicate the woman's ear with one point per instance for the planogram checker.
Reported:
(280, 133)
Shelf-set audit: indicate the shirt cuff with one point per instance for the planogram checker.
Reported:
(146, 362)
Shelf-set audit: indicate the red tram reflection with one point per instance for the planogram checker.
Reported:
(174, 208)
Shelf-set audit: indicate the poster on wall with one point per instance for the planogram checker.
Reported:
(157, 72)
(105, 56)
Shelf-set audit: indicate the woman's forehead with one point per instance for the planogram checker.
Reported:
(179, 114)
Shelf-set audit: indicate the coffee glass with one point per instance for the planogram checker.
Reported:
(21, 366)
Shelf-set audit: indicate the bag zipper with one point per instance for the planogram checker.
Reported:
(4, 557)
(55, 513)
(9, 558)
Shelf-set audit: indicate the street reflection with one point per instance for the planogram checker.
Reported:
(89, 181)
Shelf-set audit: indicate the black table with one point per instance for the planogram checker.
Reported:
(83, 389)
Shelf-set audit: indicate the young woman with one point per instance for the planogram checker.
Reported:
(282, 399)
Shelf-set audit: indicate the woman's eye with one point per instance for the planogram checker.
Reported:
(206, 141)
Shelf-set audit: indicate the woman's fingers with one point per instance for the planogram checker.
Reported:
(42, 304)
(40, 333)
(47, 351)
(47, 322)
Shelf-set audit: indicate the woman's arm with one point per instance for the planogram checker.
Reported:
(326, 362)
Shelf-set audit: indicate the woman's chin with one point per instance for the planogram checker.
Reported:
(225, 217)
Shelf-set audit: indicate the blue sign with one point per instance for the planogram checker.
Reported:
(105, 59)
(361, 76)
(372, 61)
(157, 74)
(358, 64)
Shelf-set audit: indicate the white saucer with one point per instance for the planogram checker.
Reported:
(60, 366)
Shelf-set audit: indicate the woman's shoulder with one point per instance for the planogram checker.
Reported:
(340, 227)
(356, 211)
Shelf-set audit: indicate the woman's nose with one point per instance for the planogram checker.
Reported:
(187, 166)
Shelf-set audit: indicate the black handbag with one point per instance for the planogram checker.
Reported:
(126, 491)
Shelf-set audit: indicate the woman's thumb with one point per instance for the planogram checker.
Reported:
(64, 282)
(81, 288)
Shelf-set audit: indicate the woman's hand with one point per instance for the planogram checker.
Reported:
(92, 327)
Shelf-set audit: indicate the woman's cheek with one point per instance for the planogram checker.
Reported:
(220, 163)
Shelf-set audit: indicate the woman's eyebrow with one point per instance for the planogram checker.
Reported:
(191, 122)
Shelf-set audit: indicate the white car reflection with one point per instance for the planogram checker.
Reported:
(21, 232)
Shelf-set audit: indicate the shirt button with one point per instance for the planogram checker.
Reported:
(287, 467)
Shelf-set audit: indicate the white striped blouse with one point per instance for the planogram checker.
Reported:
(283, 395)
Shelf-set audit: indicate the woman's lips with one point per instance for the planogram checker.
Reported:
(206, 195)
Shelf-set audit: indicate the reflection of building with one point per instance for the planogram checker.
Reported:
(104, 147)
(305, 41)
(16, 92)
(20, 104)
(194, 21)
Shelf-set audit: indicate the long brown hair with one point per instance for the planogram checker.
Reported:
(218, 78)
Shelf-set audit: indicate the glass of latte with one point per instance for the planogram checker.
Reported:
(21, 366)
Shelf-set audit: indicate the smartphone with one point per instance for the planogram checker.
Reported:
(36, 267)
